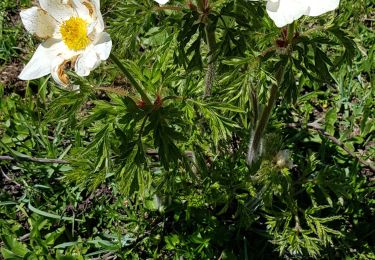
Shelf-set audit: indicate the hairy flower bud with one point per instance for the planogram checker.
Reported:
(283, 159)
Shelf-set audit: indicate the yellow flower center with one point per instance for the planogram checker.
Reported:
(74, 33)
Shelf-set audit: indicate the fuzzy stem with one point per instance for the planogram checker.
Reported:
(132, 80)
(255, 141)
(211, 43)
(254, 147)
(291, 30)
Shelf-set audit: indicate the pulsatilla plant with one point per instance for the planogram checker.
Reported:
(201, 111)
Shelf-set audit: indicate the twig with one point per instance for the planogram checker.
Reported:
(318, 128)
(315, 126)
(24, 237)
(8, 178)
(5, 176)
(107, 256)
(32, 159)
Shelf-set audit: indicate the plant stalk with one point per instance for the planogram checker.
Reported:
(211, 70)
(132, 80)
(254, 151)
(291, 30)
(255, 142)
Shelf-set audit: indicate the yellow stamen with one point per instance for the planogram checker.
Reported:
(74, 33)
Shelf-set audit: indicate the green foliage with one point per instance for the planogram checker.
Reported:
(168, 179)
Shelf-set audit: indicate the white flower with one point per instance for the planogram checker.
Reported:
(284, 12)
(162, 2)
(73, 34)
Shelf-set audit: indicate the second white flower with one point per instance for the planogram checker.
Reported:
(284, 12)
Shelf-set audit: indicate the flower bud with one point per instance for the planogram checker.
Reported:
(283, 159)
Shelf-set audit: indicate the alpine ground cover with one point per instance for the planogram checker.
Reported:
(214, 130)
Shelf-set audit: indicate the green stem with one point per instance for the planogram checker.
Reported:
(132, 80)
(291, 30)
(255, 141)
(140, 135)
(262, 123)
(211, 43)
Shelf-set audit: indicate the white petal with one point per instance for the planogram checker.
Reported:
(38, 22)
(273, 5)
(318, 7)
(284, 12)
(99, 27)
(91, 27)
(99, 18)
(38, 66)
(81, 10)
(95, 18)
(57, 71)
(96, 3)
(58, 9)
(162, 1)
(91, 58)
(61, 49)
(103, 46)
(40, 63)
(86, 62)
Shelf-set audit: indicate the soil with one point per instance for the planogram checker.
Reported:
(9, 72)
(9, 75)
